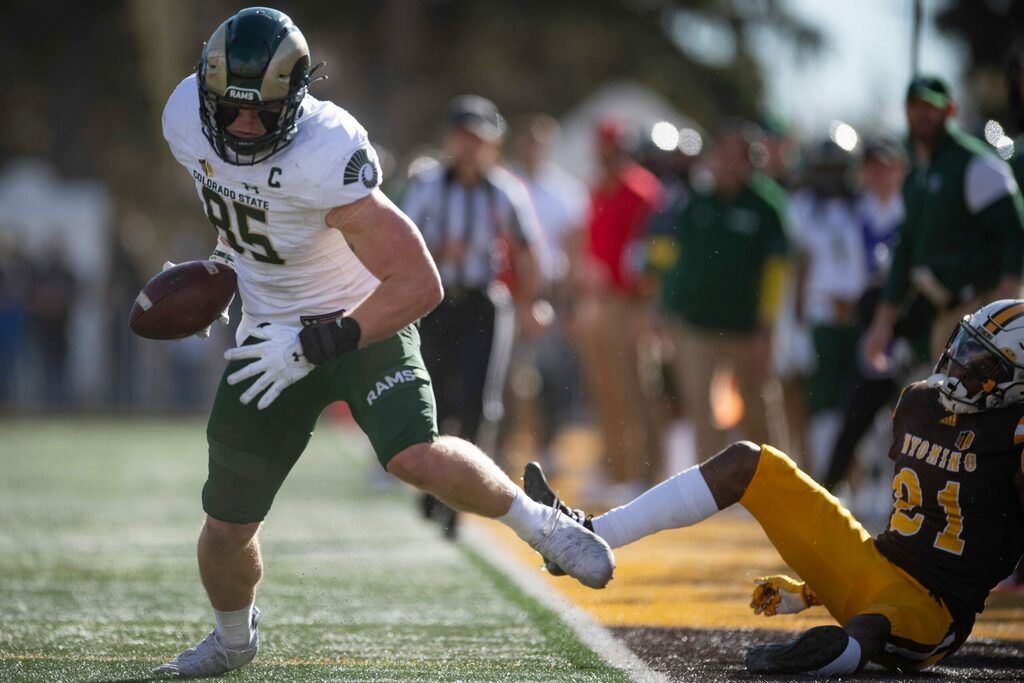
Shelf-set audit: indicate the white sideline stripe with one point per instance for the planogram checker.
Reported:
(611, 651)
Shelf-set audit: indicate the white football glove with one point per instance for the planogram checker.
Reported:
(279, 362)
(224, 318)
(780, 594)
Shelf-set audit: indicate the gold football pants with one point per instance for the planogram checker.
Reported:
(837, 558)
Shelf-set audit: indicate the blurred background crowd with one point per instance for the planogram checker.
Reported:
(698, 236)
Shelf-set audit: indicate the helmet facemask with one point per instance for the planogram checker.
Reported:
(279, 118)
(972, 375)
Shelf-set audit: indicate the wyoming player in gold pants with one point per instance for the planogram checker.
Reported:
(908, 597)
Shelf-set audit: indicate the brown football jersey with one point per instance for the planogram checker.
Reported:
(956, 523)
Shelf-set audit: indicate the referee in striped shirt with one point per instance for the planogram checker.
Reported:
(481, 229)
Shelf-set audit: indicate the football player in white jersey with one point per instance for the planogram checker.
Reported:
(332, 278)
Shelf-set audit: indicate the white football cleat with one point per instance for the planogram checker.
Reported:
(581, 553)
(212, 657)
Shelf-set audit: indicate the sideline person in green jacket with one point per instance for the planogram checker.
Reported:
(726, 285)
(962, 241)
(1015, 96)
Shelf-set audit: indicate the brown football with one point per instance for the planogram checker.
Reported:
(182, 300)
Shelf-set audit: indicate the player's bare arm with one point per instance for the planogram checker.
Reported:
(390, 246)
(387, 243)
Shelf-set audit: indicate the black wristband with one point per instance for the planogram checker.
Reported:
(327, 341)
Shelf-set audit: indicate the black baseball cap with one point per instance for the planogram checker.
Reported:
(931, 89)
(476, 114)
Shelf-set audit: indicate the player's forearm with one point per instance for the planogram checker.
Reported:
(398, 301)
(389, 245)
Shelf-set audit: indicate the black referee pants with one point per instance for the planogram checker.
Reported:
(466, 344)
(870, 394)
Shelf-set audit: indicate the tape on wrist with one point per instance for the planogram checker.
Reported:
(222, 257)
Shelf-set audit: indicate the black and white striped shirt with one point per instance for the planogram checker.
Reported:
(472, 219)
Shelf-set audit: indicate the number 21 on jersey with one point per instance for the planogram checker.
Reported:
(255, 243)
(907, 495)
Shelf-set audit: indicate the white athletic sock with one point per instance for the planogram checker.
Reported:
(681, 500)
(845, 663)
(235, 628)
(526, 516)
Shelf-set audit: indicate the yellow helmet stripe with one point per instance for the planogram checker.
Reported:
(1004, 317)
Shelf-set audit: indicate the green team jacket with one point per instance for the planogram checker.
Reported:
(725, 245)
(964, 220)
(1017, 162)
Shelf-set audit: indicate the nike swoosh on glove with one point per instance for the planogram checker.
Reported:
(279, 362)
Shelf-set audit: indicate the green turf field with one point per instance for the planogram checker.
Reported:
(98, 520)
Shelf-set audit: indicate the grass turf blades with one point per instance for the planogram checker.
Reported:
(98, 521)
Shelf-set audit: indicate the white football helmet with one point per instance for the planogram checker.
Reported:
(981, 367)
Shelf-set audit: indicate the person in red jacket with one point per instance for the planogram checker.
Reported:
(621, 203)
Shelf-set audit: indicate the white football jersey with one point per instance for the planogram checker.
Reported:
(829, 233)
(272, 214)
